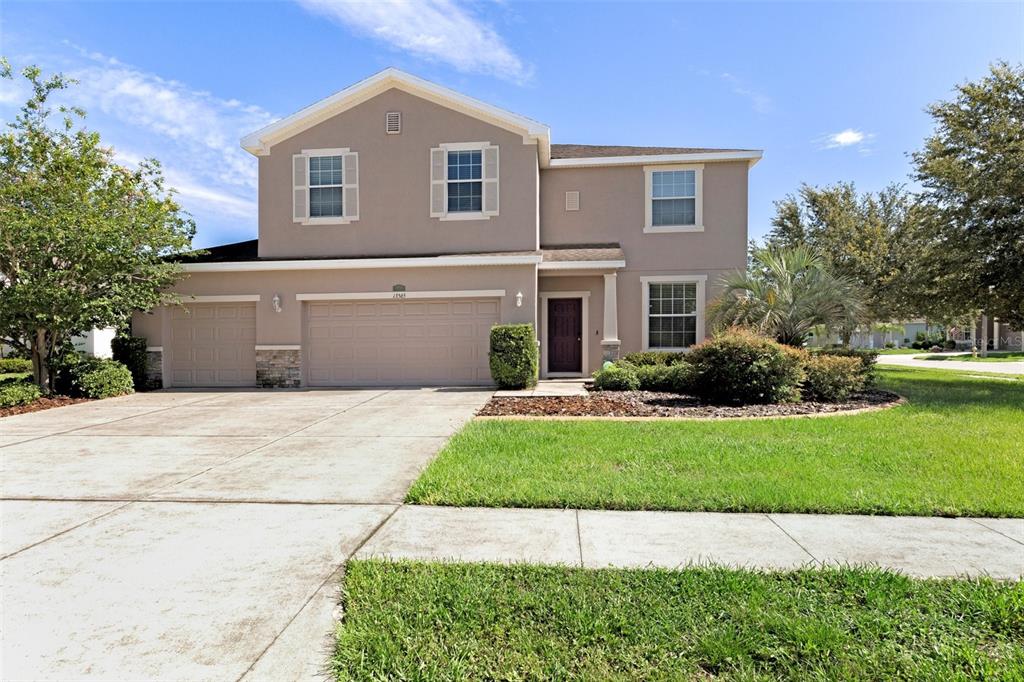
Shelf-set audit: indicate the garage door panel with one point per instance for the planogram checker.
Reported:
(400, 342)
(213, 345)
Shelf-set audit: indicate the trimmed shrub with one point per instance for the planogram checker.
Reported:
(867, 359)
(130, 351)
(14, 393)
(832, 378)
(617, 378)
(83, 376)
(740, 367)
(665, 378)
(652, 357)
(514, 355)
(15, 365)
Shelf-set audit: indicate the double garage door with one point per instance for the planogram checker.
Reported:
(346, 343)
(403, 342)
(213, 344)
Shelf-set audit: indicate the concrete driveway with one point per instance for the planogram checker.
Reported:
(199, 535)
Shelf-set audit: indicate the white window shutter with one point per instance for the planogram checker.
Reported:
(490, 162)
(350, 176)
(438, 184)
(300, 188)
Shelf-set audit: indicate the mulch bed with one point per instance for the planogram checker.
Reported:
(41, 404)
(648, 404)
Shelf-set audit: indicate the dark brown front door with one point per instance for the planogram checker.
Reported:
(565, 335)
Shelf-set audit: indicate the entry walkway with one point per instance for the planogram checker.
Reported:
(918, 546)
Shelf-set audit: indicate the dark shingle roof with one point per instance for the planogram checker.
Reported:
(582, 151)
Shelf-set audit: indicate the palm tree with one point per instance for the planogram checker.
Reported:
(785, 294)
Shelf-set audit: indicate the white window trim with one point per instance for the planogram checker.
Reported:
(464, 147)
(329, 220)
(645, 283)
(584, 297)
(698, 226)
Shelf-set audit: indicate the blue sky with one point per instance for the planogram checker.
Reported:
(830, 91)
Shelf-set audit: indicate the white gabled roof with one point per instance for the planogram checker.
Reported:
(259, 142)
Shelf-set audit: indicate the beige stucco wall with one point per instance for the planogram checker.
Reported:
(286, 326)
(394, 186)
(612, 210)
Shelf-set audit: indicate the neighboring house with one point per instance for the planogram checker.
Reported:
(1000, 336)
(399, 221)
(95, 342)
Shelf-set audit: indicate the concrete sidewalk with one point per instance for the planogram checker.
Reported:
(918, 546)
(957, 365)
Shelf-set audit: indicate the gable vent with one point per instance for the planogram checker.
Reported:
(393, 122)
(572, 200)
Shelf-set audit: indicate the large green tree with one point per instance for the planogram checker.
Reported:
(862, 235)
(83, 240)
(786, 293)
(971, 244)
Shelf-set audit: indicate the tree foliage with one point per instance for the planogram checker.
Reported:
(862, 235)
(785, 294)
(83, 240)
(970, 248)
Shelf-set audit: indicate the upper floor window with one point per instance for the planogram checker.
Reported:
(464, 181)
(325, 186)
(674, 199)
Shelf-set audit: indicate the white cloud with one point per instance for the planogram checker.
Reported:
(436, 30)
(849, 138)
(193, 133)
(762, 103)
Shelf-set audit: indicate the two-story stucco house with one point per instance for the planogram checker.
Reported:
(399, 221)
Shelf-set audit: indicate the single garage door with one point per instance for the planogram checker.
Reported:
(213, 344)
(399, 343)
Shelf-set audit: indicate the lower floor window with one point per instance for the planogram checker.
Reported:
(672, 314)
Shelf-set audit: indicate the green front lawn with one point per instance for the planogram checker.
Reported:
(900, 351)
(418, 621)
(993, 356)
(953, 450)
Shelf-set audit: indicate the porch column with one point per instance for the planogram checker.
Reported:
(610, 342)
(995, 335)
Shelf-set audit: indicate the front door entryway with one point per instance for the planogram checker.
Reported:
(565, 335)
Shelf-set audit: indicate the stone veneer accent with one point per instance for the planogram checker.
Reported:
(154, 369)
(278, 368)
(610, 352)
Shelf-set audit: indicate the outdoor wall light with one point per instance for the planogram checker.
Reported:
(276, 303)
(519, 299)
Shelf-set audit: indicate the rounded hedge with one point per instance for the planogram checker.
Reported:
(617, 378)
(740, 367)
(653, 357)
(514, 355)
(832, 378)
(674, 378)
(130, 351)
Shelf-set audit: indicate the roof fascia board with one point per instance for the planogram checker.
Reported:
(751, 156)
(362, 263)
(582, 265)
